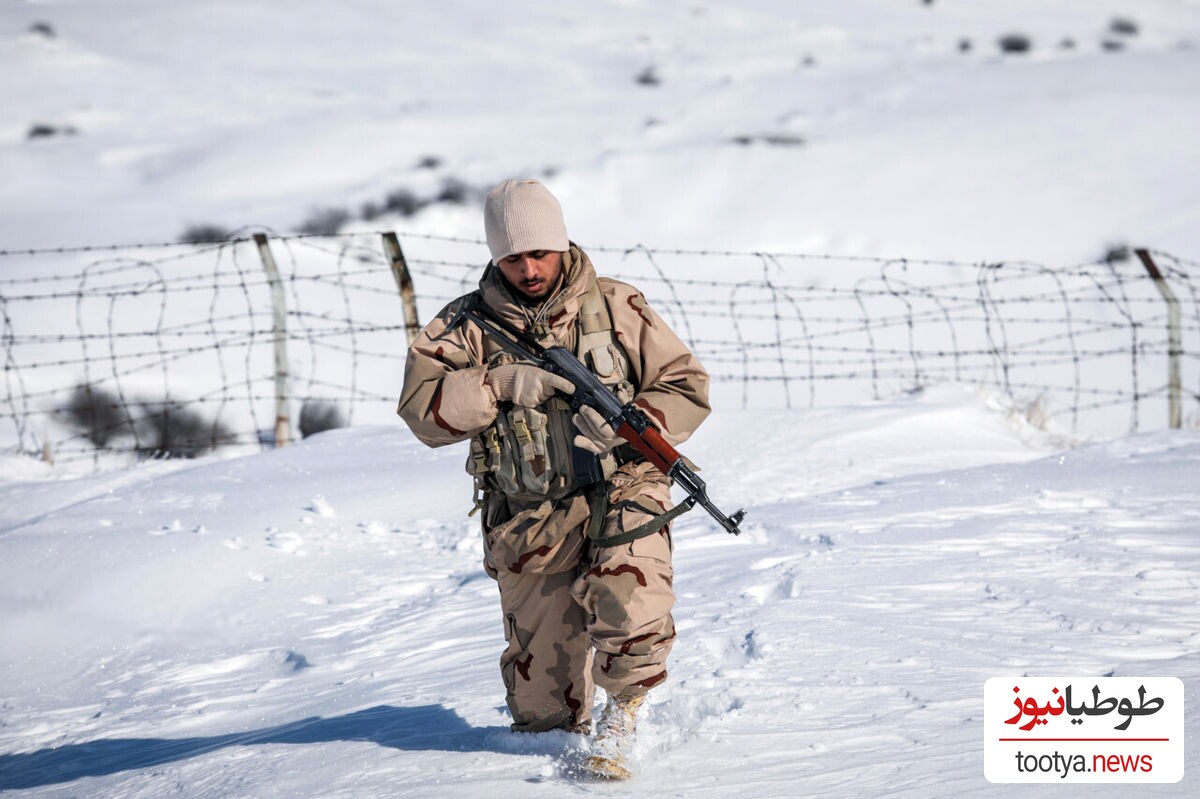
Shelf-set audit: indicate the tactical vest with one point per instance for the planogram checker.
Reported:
(528, 453)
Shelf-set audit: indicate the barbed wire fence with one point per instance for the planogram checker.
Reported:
(173, 349)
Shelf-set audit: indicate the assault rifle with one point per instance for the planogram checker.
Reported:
(629, 422)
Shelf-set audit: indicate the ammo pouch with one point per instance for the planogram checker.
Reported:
(529, 454)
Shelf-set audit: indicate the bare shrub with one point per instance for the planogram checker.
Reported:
(43, 130)
(1116, 253)
(1014, 43)
(159, 429)
(171, 430)
(370, 211)
(205, 234)
(403, 202)
(317, 416)
(96, 413)
(325, 222)
(454, 191)
(648, 77)
(1123, 26)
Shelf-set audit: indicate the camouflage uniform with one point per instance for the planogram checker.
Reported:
(576, 615)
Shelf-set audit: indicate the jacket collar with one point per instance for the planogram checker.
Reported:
(555, 316)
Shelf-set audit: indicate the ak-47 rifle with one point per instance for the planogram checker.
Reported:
(629, 422)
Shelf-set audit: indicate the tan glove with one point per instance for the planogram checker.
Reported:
(596, 435)
(525, 385)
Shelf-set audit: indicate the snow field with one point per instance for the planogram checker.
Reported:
(315, 620)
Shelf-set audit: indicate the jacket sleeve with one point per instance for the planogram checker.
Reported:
(445, 398)
(671, 385)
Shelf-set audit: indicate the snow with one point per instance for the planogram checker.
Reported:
(890, 140)
(315, 621)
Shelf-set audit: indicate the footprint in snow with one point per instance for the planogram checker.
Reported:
(174, 527)
(319, 506)
(285, 542)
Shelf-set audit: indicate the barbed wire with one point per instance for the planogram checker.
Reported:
(170, 346)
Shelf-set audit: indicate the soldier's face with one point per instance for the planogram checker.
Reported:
(533, 274)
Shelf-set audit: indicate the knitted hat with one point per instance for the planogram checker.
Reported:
(522, 215)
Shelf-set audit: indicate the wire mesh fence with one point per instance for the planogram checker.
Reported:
(171, 349)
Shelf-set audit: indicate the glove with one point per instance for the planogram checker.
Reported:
(525, 385)
(596, 435)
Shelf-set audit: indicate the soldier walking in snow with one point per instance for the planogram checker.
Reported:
(575, 522)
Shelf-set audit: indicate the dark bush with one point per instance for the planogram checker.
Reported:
(782, 139)
(648, 77)
(317, 416)
(42, 28)
(41, 130)
(370, 211)
(1123, 26)
(1014, 43)
(403, 202)
(964, 45)
(204, 234)
(454, 191)
(429, 162)
(158, 429)
(1116, 253)
(172, 430)
(1112, 45)
(773, 139)
(1067, 44)
(96, 414)
(325, 222)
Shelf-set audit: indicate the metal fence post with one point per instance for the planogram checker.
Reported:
(279, 327)
(1174, 340)
(408, 296)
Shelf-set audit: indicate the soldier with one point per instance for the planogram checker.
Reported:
(579, 611)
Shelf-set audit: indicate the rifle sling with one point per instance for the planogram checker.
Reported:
(600, 510)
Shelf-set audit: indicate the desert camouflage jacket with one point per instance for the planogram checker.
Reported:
(445, 399)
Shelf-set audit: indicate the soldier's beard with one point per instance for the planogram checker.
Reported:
(539, 291)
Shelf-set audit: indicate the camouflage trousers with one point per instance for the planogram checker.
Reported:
(576, 615)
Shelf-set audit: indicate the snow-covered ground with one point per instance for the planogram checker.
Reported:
(859, 127)
(314, 621)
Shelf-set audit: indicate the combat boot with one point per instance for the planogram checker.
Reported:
(614, 738)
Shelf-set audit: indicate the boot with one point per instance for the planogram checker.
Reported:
(614, 738)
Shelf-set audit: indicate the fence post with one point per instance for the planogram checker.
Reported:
(391, 247)
(279, 326)
(1174, 340)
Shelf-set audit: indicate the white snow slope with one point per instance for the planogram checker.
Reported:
(314, 621)
(853, 128)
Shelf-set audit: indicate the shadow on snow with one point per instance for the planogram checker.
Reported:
(430, 727)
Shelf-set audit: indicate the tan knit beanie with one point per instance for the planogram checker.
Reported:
(522, 215)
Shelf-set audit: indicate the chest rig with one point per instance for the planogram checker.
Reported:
(528, 454)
